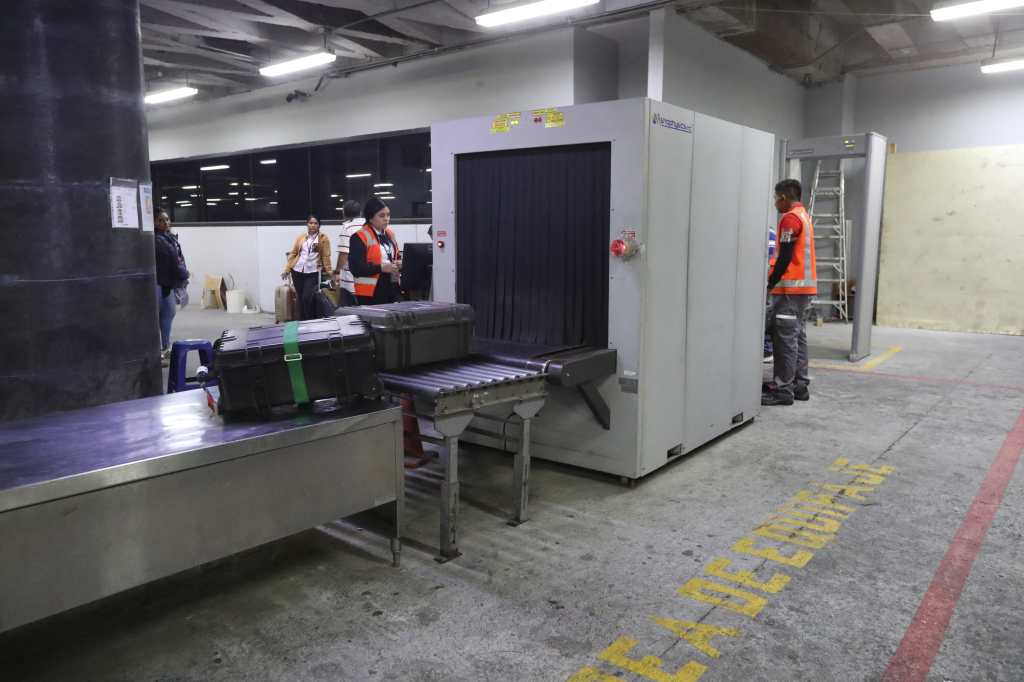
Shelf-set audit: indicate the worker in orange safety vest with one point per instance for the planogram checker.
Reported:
(793, 283)
(374, 257)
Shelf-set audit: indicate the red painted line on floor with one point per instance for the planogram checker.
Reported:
(916, 652)
(912, 377)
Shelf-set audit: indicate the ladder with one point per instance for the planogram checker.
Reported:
(828, 212)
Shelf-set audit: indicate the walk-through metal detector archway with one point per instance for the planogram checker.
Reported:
(872, 148)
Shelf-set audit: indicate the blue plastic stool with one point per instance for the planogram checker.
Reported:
(176, 379)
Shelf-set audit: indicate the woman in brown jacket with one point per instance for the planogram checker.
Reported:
(310, 255)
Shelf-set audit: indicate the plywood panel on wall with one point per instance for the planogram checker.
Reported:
(952, 255)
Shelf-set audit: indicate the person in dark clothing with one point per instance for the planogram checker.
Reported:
(374, 258)
(171, 275)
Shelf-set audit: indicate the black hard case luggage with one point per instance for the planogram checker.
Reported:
(417, 332)
(337, 362)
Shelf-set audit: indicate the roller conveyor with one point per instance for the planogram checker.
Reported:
(449, 394)
(579, 367)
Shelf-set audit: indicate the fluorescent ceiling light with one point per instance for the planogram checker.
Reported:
(969, 9)
(251, 199)
(183, 204)
(272, 203)
(169, 95)
(1003, 67)
(193, 195)
(267, 162)
(233, 184)
(213, 201)
(338, 208)
(163, 197)
(382, 193)
(300, 64)
(232, 194)
(383, 184)
(334, 196)
(190, 186)
(358, 175)
(219, 166)
(530, 11)
(246, 184)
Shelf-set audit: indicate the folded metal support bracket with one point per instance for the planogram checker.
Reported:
(602, 413)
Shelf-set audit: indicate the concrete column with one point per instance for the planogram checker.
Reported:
(77, 297)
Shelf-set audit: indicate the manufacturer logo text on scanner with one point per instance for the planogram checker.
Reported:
(660, 120)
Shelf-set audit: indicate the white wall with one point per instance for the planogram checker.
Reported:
(705, 74)
(632, 38)
(943, 108)
(595, 67)
(254, 255)
(529, 73)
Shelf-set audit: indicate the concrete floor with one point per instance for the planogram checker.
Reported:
(598, 562)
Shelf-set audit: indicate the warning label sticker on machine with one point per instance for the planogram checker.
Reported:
(503, 123)
(550, 117)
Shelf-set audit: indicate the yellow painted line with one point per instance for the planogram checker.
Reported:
(871, 364)
(866, 367)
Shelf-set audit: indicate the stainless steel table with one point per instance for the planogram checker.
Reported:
(99, 500)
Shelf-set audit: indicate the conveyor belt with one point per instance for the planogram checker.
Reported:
(466, 385)
(581, 367)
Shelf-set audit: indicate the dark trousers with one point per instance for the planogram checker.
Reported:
(789, 337)
(306, 286)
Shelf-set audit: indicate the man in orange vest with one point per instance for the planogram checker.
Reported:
(793, 283)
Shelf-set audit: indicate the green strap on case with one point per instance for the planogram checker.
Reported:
(293, 360)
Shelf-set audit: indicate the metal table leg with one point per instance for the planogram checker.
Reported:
(451, 428)
(526, 410)
(450, 499)
(399, 504)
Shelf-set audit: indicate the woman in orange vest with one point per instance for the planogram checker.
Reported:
(374, 258)
(793, 283)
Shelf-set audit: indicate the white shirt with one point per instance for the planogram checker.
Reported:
(309, 259)
(348, 228)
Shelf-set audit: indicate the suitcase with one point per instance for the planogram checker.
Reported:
(286, 305)
(327, 301)
(416, 332)
(256, 374)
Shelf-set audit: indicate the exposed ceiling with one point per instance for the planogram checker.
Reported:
(220, 44)
(821, 40)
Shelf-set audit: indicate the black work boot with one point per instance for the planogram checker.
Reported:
(776, 398)
(801, 393)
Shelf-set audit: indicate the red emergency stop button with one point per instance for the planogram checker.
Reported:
(624, 248)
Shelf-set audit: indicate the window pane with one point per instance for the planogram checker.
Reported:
(280, 190)
(223, 189)
(176, 189)
(288, 184)
(405, 159)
